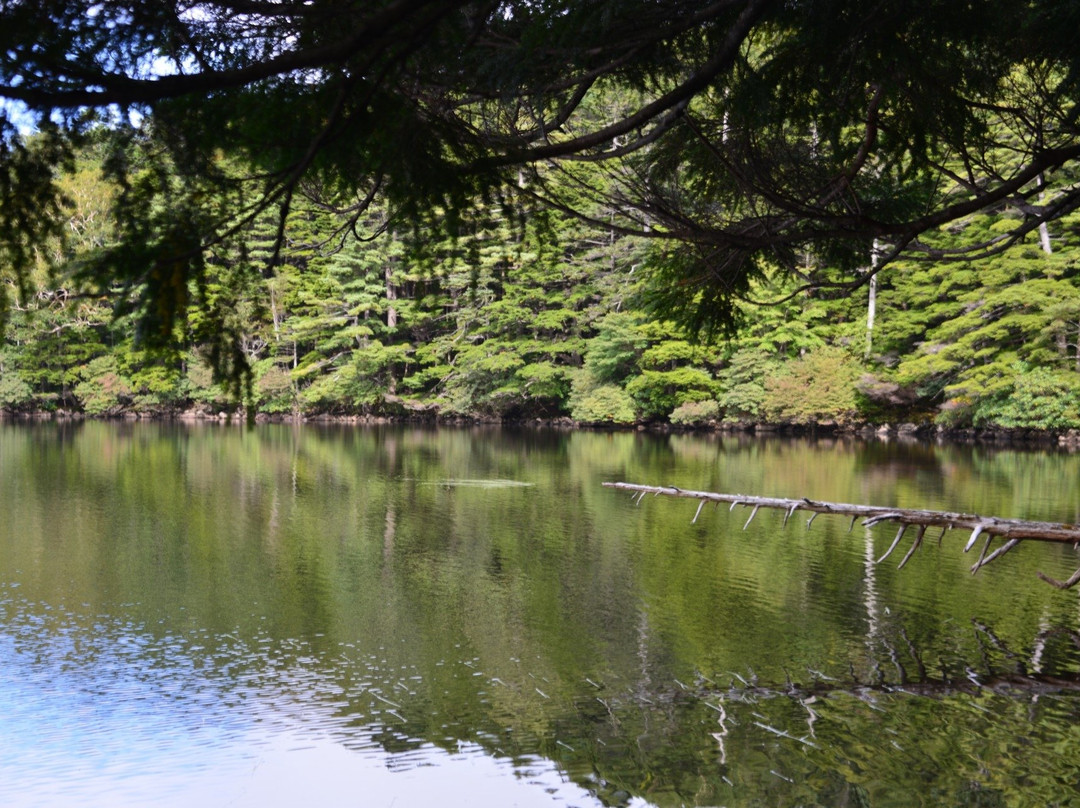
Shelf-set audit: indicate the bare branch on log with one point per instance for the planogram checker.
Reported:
(1002, 550)
(1013, 530)
(873, 520)
(974, 537)
(982, 556)
(914, 546)
(1061, 584)
(896, 541)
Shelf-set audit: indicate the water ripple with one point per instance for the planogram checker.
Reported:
(111, 715)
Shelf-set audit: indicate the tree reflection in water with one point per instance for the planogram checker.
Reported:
(180, 606)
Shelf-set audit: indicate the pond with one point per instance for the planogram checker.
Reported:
(341, 616)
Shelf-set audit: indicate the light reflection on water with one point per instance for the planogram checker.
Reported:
(110, 716)
(444, 617)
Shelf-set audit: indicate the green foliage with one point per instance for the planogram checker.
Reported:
(526, 313)
(615, 349)
(15, 394)
(155, 383)
(101, 389)
(742, 384)
(814, 388)
(544, 381)
(198, 386)
(274, 391)
(670, 371)
(32, 213)
(966, 333)
(592, 402)
(658, 392)
(695, 413)
(754, 144)
(1037, 398)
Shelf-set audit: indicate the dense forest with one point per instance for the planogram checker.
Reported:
(526, 312)
(615, 212)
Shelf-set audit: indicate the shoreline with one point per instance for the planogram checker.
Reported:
(994, 436)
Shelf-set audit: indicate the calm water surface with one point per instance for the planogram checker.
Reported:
(400, 617)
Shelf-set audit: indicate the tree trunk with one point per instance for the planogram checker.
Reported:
(1044, 231)
(391, 295)
(871, 304)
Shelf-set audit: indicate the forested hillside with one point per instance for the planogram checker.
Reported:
(525, 312)
(615, 211)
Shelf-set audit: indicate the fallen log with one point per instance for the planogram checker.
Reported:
(1013, 531)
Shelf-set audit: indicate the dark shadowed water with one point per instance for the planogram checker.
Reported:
(209, 616)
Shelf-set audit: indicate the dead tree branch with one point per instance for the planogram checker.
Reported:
(1012, 530)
